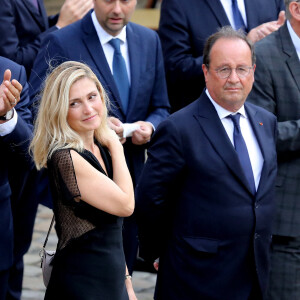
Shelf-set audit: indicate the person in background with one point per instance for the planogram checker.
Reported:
(205, 199)
(90, 184)
(277, 89)
(127, 59)
(15, 163)
(23, 24)
(185, 26)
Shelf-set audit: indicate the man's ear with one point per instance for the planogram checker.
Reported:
(295, 10)
(205, 70)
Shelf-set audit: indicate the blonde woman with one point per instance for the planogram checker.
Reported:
(90, 184)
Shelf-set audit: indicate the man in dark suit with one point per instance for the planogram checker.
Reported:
(185, 26)
(277, 88)
(147, 104)
(204, 208)
(15, 134)
(23, 24)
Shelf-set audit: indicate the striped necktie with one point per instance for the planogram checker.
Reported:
(242, 151)
(237, 17)
(35, 3)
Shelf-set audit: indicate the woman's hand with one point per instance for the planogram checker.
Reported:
(111, 140)
(130, 291)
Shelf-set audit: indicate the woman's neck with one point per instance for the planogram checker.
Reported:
(88, 142)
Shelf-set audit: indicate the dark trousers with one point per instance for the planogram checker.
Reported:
(256, 293)
(3, 283)
(14, 289)
(130, 241)
(24, 209)
(284, 280)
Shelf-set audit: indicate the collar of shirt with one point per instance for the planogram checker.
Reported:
(228, 10)
(222, 112)
(254, 151)
(108, 50)
(295, 38)
(105, 37)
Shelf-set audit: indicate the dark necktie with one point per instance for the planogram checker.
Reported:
(237, 17)
(120, 73)
(35, 3)
(242, 152)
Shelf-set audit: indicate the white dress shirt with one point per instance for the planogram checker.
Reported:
(228, 10)
(9, 126)
(254, 151)
(108, 49)
(295, 38)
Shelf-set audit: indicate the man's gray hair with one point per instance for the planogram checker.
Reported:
(226, 32)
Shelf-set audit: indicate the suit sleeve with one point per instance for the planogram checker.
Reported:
(159, 106)
(10, 44)
(50, 55)
(263, 94)
(18, 140)
(156, 185)
(23, 105)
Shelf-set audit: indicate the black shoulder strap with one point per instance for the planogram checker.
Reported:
(46, 240)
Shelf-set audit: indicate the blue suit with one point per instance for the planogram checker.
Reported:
(183, 29)
(14, 160)
(22, 28)
(195, 209)
(148, 99)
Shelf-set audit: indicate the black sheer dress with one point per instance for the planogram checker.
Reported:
(89, 263)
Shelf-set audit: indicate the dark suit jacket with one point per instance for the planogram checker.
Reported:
(148, 98)
(13, 150)
(183, 30)
(22, 27)
(196, 212)
(277, 88)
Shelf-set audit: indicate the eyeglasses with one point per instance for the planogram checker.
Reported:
(241, 72)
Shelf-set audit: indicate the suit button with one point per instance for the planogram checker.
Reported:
(256, 205)
(256, 235)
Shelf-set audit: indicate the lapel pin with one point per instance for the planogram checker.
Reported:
(261, 124)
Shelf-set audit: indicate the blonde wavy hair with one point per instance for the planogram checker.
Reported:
(52, 131)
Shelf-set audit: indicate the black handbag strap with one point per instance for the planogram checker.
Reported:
(51, 225)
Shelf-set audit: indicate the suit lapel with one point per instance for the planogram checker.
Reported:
(219, 12)
(215, 132)
(252, 13)
(290, 54)
(35, 13)
(256, 121)
(135, 65)
(95, 49)
(43, 12)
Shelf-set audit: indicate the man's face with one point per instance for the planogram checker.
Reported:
(113, 15)
(231, 92)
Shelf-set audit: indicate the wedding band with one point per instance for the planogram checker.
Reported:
(13, 103)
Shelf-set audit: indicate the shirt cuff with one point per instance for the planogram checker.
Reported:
(9, 126)
(151, 125)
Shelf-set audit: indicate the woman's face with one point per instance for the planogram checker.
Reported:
(85, 106)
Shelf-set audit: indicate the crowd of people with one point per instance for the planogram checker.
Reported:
(179, 147)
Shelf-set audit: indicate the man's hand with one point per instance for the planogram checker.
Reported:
(142, 136)
(156, 264)
(73, 10)
(265, 29)
(116, 125)
(9, 93)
